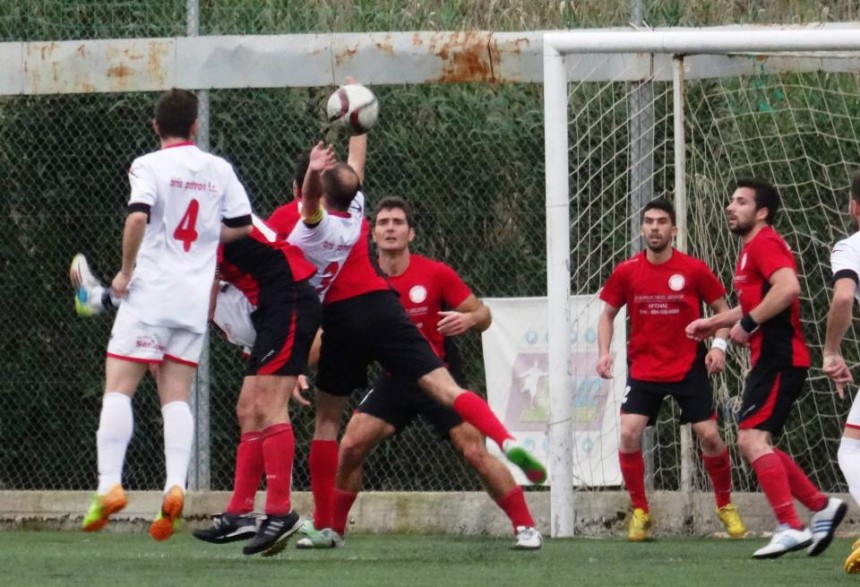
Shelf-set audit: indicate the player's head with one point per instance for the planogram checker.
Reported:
(658, 224)
(393, 226)
(339, 185)
(753, 202)
(176, 115)
(300, 169)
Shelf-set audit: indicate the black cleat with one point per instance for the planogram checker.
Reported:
(273, 534)
(228, 528)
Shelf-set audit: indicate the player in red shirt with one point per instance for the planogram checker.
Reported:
(442, 306)
(664, 289)
(768, 321)
(364, 322)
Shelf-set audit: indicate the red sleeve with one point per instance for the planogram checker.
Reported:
(710, 288)
(284, 219)
(454, 290)
(770, 255)
(614, 291)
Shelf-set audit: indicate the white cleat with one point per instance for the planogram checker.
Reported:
(785, 539)
(88, 289)
(528, 538)
(313, 538)
(823, 524)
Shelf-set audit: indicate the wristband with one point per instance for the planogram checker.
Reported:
(720, 343)
(749, 324)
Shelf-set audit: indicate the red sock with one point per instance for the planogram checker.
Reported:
(719, 468)
(343, 501)
(476, 412)
(633, 473)
(279, 446)
(801, 487)
(774, 482)
(322, 463)
(514, 506)
(249, 469)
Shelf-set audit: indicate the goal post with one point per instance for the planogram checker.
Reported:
(775, 102)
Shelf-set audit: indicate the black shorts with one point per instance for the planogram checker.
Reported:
(367, 328)
(398, 402)
(693, 394)
(769, 394)
(286, 324)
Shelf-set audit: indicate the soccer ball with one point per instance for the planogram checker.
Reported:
(354, 108)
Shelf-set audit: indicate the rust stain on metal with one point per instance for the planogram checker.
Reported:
(120, 71)
(345, 55)
(466, 57)
(156, 55)
(386, 47)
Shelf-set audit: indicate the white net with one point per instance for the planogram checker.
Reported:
(793, 122)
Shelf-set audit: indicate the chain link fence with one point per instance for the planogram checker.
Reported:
(468, 157)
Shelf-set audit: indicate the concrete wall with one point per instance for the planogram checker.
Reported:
(599, 514)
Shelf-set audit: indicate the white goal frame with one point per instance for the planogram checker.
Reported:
(665, 54)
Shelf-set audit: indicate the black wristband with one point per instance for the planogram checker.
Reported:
(749, 324)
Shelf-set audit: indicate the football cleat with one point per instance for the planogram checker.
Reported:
(228, 528)
(102, 506)
(728, 515)
(640, 523)
(87, 299)
(313, 538)
(273, 534)
(169, 518)
(852, 563)
(823, 524)
(785, 539)
(528, 538)
(518, 455)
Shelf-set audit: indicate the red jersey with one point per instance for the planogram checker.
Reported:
(779, 341)
(426, 288)
(360, 274)
(260, 261)
(661, 300)
(284, 219)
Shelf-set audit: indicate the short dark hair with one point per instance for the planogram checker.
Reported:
(855, 186)
(340, 184)
(660, 204)
(395, 203)
(766, 196)
(300, 168)
(175, 113)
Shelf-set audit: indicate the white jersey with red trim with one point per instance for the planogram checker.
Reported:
(188, 193)
(327, 244)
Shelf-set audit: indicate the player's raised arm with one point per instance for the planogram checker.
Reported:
(321, 158)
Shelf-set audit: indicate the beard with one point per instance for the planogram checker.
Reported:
(741, 228)
(657, 247)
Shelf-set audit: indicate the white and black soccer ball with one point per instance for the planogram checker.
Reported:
(353, 107)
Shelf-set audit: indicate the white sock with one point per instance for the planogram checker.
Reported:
(849, 461)
(116, 425)
(178, 437)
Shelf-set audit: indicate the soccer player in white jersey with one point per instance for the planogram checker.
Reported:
(183, 201)
(362, 322)
(845, 265)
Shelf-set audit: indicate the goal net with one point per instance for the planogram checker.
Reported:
(682, 114)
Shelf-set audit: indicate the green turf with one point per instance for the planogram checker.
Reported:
(69, 558)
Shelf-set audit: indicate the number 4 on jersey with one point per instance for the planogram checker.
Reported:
(185, 231)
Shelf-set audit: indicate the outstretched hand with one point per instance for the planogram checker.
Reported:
(321, 157)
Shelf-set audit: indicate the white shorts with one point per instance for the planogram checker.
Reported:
(132, 340)
(233, 316)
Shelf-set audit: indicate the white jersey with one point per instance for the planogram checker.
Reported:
(327, 245)
(189, 192)
(846, 257)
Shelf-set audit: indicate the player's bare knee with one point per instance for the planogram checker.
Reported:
(353, 451)
(630, 439)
